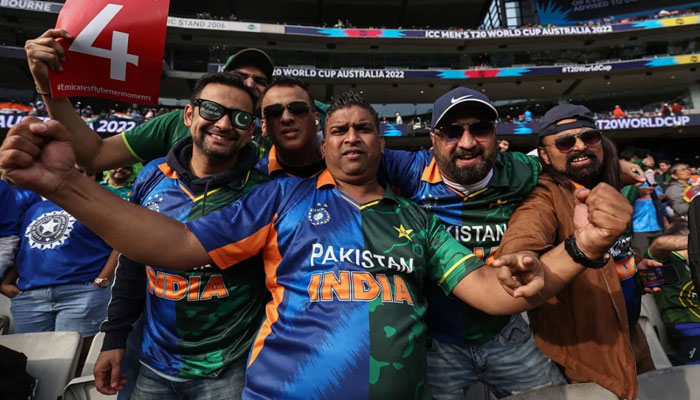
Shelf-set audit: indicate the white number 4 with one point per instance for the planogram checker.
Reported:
(118, 55)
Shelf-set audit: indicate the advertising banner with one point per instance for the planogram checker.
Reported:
(116, 51)
(568, 12)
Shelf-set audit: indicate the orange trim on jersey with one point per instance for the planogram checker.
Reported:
(169, 172)
(273, 258)
(576, 185)
(187, 192)
(272, 163)
(233, 253)
(431, 173)
(325, 178)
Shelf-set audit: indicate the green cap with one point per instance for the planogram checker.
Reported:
(254, 57)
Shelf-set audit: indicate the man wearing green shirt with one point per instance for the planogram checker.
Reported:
(117, 181)
(146, 142)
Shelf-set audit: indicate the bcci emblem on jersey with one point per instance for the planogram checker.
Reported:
(50, 230)
(319, 216)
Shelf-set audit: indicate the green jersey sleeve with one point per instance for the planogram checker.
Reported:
(154, 138)
(448, 261)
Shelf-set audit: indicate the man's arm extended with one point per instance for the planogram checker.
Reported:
(39, 156)
(92, 152)
(662, 247)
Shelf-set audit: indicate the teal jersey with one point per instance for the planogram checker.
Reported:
(477, 220)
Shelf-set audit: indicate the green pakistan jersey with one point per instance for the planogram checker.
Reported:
(154, 138)
(477, 220)
(678, 304)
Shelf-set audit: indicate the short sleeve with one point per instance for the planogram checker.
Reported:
(403, 169)
(449, 262)
(154, 138)
(240, 230)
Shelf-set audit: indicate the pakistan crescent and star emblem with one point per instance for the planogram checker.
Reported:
(403, 232)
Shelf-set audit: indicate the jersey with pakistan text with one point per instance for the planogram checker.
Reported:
(346, 316)
(477, 220)
(197, 322)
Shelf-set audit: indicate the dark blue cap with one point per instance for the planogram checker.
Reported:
(582, 115)
(468, 98)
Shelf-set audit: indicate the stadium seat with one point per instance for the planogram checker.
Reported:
(6, 320)
(52, 358)
(655, 332)
(677, 383)
(578, 391)
(83, 388)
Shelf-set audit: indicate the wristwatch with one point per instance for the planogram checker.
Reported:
(578, 256)
(101, 282)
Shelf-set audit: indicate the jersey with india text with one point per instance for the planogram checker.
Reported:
(477, 220)
(346, 316)
(199, 321)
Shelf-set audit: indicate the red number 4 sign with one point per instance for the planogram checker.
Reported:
(117, 50)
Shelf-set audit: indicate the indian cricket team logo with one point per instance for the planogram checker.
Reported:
(319, 215)
(50, 230)
(153, 202)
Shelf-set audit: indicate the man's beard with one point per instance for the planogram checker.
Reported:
(213, 154)
(467, 175)
(586, 175)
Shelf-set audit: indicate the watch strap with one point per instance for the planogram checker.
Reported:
(581, 258)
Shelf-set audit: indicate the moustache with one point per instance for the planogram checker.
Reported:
(477, 151)
(585, 153)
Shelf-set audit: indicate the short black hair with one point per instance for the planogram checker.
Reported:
(286, 81)
(222, 78)
(664, 161)
(349, 99)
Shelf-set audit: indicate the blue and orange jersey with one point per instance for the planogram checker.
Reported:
(477, 220)
(346, 315)
(197, 322)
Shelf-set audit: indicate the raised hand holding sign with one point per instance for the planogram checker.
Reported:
(116, 51)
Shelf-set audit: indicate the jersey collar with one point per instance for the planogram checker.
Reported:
(326, 179)
(272, 163)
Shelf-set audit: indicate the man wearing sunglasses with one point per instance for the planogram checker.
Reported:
(147, 141)
(198, 325)
(473, 188)
(291, 121)
(345, 258)
(591, 328)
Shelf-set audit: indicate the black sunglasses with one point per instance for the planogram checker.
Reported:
(590, 138)
(259, 80)
(478, 129)
(213, 111)
(294, 107)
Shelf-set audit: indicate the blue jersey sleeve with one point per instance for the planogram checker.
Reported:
(242, 229)
(9, 227)
(146, 180)
(403, 169)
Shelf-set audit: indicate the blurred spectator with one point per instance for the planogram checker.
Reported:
(527, 115)
(503, 145)
(665, 110)
(662, 176)
(677, 109)
(9, 228)
(399, 120)
(618, 112)
(117, 182)
(680, 174)
(339, 24)
(678, 304)
(64, 273)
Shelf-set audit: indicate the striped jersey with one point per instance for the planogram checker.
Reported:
(477, 220)
(346, 316)
(197, 322)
